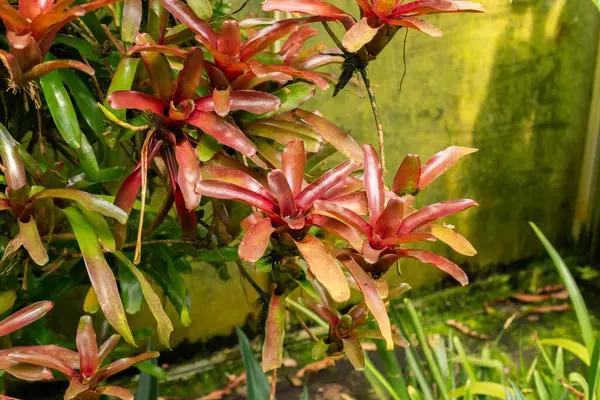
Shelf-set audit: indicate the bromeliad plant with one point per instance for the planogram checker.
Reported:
(207, 116)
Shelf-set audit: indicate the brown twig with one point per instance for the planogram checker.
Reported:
(376, 115)
(273, 385)
(571, 389)
(334, 37)
(303, 324)
(261, 293)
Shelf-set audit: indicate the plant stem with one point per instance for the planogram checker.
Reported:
(263, 296)
(273, 385)
(376, 115)
(334, 37)
(302, 323)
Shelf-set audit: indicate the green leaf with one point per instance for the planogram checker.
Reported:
(148, 387)
(207, 147)
(101, 228)
(165, 327)
(516, 394)
(61, 108)
(85, 101)
(571, 346)
(80, 45)
(87, 159)
(101, 276)
(594, 368)
(304, 395)
(122, 80)
(434, 368)
(202, 8)
(597, 3)
(258, 386)
(491, 389)
(380, 385)
(577, 378)
(150, 367)
(540, 386)
(292, 96)
(131, 291)
(574, 293)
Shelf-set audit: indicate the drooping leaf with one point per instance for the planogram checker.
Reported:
(272, 350)
(165, 327)
(440, 262)
(100, 274)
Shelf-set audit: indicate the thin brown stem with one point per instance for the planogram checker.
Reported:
(303, 324)
(97, 88)
(334, 37)
(376, 115)
(273, 385)
(261, 293)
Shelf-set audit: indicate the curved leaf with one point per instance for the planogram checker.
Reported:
(14, 170)
(440, 163)
(87, 347)
(440, 262)
(100, 274)
(30, 237)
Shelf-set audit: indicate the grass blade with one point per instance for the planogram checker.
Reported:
(581, 310)
(258, 386)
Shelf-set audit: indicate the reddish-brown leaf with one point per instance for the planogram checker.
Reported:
(25, 316)
(293, 163)
(272, 351)
(440, 262)
(138, 101)
(406, 180)
(373, 183)
(440, 163)
(433, 212)
(87, 347)
(256, 240)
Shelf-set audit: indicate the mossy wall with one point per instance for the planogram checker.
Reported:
(515, 83)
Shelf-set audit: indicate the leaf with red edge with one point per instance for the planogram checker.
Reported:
(360, 34)
(282, 191)
(14, 170)
(182, 12)
(334, 135)
(69, 357)
(230, 39)
(349, 184)
(122, 364)
(223, 131)
(345, 215)
(256, 240)
(283, 132)
(190, 76)
(87, 347)
(318, 60)
(115, 391)
(100, 274)
(390, 219)
(158, 68)
(312, 7)
(406, 180)
(412, 237)
(272, 350)
(424, 7)
(157, 48)
(440, 163)
(306, 75)
(25, 316)
(316, 189)
(75, 389)
(43, 360)
(107, 347)
(228, 191)
(328, 315)
(324, 267)
(373, 183)
(44, 68)
(354, 352)
(433, 212)
(26, 372)
(440, 262)
(138, 101)
(372, 298)
(86, 200)
(30, 237)
(216, 172)
(415, 23)
(252, 101)
(294, 43)
(189, 172)
(266, 37)
(293, 163)
(340, 229)
(453, 239)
